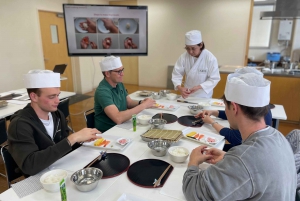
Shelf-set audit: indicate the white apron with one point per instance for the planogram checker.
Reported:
(204, 72)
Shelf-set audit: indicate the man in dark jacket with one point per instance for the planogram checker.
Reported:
(38, 134)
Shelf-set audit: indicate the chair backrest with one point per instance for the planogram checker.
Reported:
(89, 116)
(294, 139)
(11, 168)
(63, 106)
(3, 133)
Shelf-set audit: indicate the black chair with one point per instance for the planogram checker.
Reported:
(11, 168)
(63, 106)
(3, 135)
(89, 116)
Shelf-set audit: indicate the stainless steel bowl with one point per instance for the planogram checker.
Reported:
(86, 179)
(195, 109)
(164, 92)
(159, 147)
(157, 123)
(156, 95)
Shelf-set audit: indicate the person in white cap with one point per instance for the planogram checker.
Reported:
(254, 170)
(112, 103)
(231, 135)
(38, 134)
(199, 66)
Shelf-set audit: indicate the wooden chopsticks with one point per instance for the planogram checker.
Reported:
(157, 183)
(93, 161)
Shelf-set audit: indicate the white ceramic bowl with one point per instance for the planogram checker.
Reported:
(77, 25)
(204, 104)
(50, 180)
(144, 119)
(178, 154)
(171, 96)
(101, 27)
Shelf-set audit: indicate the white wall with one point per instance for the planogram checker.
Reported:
(224, 27)
(223, 23)
(21, 46)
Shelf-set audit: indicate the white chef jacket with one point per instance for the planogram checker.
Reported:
(202, 71)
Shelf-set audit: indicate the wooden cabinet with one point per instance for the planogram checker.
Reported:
(284, 91)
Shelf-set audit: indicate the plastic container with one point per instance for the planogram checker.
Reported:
(273, 56)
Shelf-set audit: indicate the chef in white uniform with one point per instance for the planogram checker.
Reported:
(200, 67)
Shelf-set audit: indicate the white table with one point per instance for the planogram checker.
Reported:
(11, 108)
(278, 113)
(113, 188)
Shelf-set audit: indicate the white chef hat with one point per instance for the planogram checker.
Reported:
(41, 79)
(193, 37)
(249, 89)
(248, 70)
(110, 63)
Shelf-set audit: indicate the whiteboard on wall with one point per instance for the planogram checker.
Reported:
(260, 29)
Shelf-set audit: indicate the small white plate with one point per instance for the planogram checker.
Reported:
(123, 141)
(113, 145)
(217, 103)
(204, 139)
(168, 107)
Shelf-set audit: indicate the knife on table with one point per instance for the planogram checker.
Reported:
(182, 101)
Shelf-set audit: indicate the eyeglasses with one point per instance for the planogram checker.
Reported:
(191, 48)
(119, 71)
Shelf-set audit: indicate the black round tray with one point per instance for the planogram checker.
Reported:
(114, 165)
(170, 118)
(187, 121)
(144, 172)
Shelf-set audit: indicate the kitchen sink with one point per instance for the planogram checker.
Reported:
(294, 72)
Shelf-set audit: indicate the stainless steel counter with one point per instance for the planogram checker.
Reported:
(273, 72)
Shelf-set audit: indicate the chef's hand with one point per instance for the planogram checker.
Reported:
(216, 155)
(83, 44)
(148, 102)
(84, 135)
(185, 92)
(108, 23)
(106, 43)
(199, 156)
(195, 88)
(93, 45)
(133, 46)
(91, 25)
(128, 43)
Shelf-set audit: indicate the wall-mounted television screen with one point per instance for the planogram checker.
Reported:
(101, 30)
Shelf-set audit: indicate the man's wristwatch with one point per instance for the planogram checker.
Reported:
(212, 124)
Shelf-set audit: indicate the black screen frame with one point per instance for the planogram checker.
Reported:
(143, 7)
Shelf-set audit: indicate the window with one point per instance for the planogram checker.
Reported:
(261, 29)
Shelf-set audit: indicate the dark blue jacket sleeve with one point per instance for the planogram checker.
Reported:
(234, 136)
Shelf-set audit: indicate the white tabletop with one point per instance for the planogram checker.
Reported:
(113, 188)
(11, 108)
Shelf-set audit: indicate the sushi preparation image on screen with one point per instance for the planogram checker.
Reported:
(93, 30)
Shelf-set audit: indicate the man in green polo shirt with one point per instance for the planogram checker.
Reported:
(112, 103)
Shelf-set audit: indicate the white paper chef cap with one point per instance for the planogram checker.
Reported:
(248, 70)
(249, 89)
(193, 37)
(41, 79)
(110, 63)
